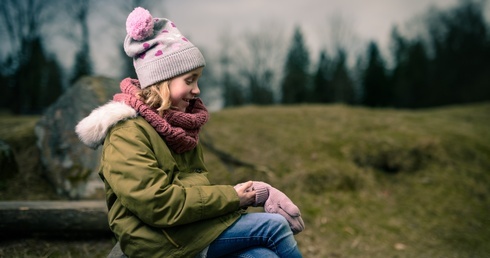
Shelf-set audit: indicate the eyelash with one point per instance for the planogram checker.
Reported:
(190, 81)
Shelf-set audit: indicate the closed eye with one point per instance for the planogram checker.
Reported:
(191, 79)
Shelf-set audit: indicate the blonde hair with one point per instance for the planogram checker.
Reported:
(156, 96)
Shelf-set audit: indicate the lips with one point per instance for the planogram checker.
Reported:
(189, 100)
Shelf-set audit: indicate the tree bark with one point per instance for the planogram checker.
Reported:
(53, 218)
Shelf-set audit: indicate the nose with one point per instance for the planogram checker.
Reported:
(195, 90)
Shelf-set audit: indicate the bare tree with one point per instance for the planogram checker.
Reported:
(260, 58)
(113, 17)
(345, 44)
(27, 68)
(232, 91)
(83, 62)
(20, 25)
(342, 37)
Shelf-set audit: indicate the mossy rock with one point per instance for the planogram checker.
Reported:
(8, 165)
(68, 164)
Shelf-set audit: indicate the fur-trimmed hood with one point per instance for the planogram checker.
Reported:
(92, 129)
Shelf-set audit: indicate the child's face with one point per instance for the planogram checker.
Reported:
(183, 88)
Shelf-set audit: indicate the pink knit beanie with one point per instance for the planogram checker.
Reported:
(159, 51)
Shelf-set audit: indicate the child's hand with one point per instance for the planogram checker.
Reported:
(279, 203)
(245, 193)
(275, 201)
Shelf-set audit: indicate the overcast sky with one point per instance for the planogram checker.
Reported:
(204, 21)
(367, 19)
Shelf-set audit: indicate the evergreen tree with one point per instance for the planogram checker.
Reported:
(53, 87)
(232, 91)
(39, 82)
(6, 88)
(451, 66)
(377, 92)
(322, 85)
(127, 69)
(21, 22)
(295, 80)
(83, 65)
(342, 83)
(418, 73)
(30, 76)
(260, 91)
(410, 76)
(460, 41)
(400, 78)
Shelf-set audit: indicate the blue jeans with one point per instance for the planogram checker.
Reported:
(256, 235)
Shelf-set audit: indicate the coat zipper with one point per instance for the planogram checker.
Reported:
(170, 239)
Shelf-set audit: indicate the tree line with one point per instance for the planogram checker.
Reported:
(445, 62)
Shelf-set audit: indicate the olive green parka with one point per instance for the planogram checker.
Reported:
(161, 204)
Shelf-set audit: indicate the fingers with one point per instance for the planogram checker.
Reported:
(279, 203)
(290, 208)
(247, 199)
(300, 226)
(295, 223)
(282, 201)
(247, 186)
(245, 194)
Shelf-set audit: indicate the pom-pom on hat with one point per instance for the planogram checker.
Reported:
(159, 51)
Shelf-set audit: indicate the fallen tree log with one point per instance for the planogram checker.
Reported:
(53, 218)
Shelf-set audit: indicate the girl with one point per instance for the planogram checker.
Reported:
(160, 201)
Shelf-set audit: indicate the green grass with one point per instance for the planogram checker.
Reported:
(41, 246)
(18, 131)
(29, 182)
(369, 182)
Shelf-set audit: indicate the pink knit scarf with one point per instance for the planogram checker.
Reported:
(180, 130)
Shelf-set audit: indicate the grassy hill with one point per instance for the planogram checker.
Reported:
(369, 182)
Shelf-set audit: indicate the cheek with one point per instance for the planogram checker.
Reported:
(174, 97)
(178, 90)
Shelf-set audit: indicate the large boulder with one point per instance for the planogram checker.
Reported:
(68, 164)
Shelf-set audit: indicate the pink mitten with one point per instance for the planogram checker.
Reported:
(275, 201)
